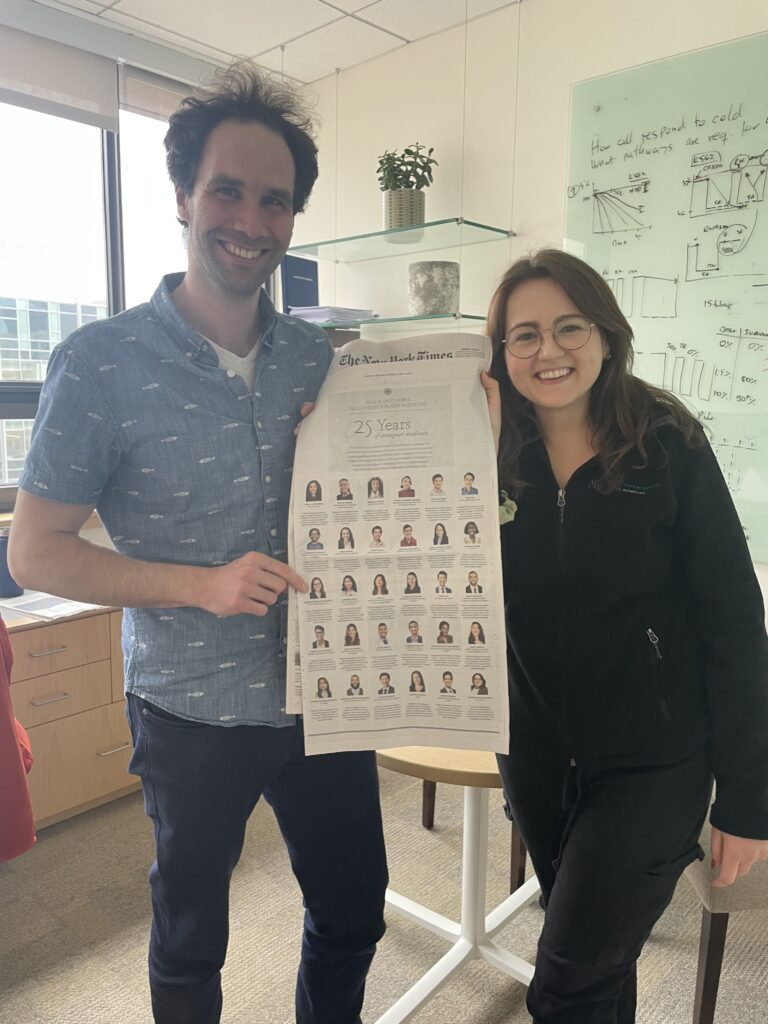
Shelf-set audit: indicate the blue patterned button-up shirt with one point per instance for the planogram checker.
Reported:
(184, 465)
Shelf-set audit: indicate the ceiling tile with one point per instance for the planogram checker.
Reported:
(427, 17)
(319, 53)
(350, 6)
(89, 6)
(180, 42)
(238, 27)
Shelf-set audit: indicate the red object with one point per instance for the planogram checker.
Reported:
(17, 828)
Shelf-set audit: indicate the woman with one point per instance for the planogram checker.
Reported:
(316, 588)
(417, 683)
(412, 584)
(346, 540)
(471, 533)
(375, 487)
(478, 687)
(348, 586)
(314, 491)
(440, 535)
(406, 488)
(351, 636)
(443, 635)
(637, 654)
(476, 634)
(379, 585)
(323, 688)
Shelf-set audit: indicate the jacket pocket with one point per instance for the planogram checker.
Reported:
(656, 664)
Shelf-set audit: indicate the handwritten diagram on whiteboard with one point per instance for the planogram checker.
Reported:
(668, 198)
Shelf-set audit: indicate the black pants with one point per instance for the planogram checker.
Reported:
(608, 848)
(201, 783)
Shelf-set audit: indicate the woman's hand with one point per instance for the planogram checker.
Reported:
(734, 856)
(494, 405)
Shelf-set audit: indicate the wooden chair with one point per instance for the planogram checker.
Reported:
(748, 893)
(517, 853)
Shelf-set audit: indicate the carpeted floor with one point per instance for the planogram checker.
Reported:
(75, 917)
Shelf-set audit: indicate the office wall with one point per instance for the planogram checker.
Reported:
(502, 141)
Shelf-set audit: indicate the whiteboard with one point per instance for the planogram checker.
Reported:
(668, 199)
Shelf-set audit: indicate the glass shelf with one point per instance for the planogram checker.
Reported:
(437, 234)
(435, 321)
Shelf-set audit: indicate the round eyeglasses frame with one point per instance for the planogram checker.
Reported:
(553, 330)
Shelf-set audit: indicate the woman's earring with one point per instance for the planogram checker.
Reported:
(608, 355)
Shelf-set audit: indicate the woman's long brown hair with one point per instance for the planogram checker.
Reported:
(623, 410)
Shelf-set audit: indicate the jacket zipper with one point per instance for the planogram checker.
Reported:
(561, 503)
(654, 640)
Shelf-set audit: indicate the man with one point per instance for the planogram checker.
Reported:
(437, 485)
(354, 689)
(414, 637)
(385, 687)
(344, 492)
(448, 686)
(320, 643)
(469, 485)
(408, 541)
(442, 584)
(376, 535)
(382, 631)
(473, 587)
(314, 543)
(175, 420)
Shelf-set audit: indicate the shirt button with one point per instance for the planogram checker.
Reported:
(283, 710)
(259, 424)
(284, 641)
(267, 479)
(273, 532)
(231, 373)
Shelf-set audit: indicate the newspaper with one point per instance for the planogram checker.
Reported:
(394, 524)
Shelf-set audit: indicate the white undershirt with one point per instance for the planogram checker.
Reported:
(244, 366)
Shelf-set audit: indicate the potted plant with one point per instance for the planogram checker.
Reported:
(402, 180)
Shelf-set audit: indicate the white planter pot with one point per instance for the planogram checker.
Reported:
(433, 287)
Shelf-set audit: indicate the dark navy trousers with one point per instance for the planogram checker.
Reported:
(201, 783)
(608, 848)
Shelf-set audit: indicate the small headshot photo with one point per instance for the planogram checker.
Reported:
(408, 541)
(314, 491)
(385, 684)
(412, 584)
(471, 533)
(416, 684)
(437, 484)
(346, 540)
(351, 636)
(314, 543)
(414, 636)
(476, 634)
(323, 688)
(316, 588)
(345, 494)
(442, 583)
(375, 487)
(354, 689)
(448, 686)
(478, 687)
(468, 487)
(382, 634)
(440, 535)
(379, 585)
(473, 586)
(320, 643)
(376, 538)
(406, 488)
(348, 585)
(444, 633)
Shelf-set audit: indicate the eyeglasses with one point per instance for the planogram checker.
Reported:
(568, 332)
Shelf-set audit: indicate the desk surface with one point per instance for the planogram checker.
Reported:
(440, 764)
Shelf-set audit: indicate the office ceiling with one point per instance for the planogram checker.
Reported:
(303, 39)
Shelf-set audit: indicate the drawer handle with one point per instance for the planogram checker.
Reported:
(49, 700)
(115, 750)
(44, 654)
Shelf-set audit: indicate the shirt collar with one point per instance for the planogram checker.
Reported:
(194, 345)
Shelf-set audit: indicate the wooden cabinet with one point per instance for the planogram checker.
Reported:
(67, 691)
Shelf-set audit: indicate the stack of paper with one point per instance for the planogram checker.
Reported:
(331, 314)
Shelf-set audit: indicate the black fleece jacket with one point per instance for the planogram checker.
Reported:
(635, 623)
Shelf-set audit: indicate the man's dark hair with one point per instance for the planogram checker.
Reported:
(241, 93)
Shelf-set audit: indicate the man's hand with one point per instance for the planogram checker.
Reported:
(250, 585)
(304, 411)
(494, 405)
(734, 856)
